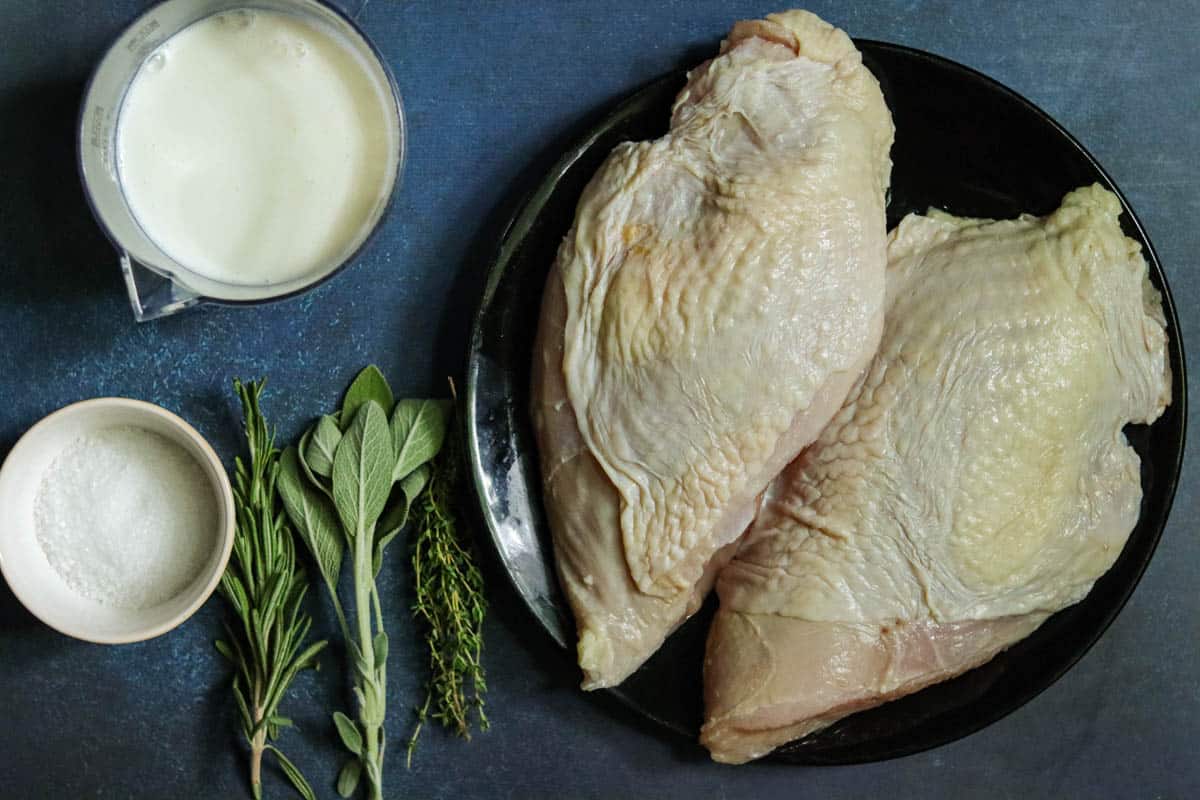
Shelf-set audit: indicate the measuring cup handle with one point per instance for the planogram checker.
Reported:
(153, 295)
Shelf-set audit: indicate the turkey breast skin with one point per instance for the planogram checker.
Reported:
(976, 480)
(719, 293)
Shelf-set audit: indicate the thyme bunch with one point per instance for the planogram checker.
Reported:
(450, 603)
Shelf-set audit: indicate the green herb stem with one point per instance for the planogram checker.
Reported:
(265, 588)
(364, 590)
(349, 485)
(258, 744)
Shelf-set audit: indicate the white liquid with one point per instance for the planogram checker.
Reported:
(255, 147)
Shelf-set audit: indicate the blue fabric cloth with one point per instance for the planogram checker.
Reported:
(493, 91)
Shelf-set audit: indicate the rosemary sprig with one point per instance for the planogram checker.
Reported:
(265, 586)
(450, 602)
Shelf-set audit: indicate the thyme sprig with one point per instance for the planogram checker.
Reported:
(450, 603)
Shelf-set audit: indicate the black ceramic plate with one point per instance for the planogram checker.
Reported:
(965, 144)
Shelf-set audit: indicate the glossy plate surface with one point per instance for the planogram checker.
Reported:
(964, 144)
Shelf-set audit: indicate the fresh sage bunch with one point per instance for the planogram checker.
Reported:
(265, 586)
(348, 487)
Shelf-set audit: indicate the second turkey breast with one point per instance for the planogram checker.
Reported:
(976, 481)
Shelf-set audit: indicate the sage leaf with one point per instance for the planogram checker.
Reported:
(380, 543)
(355, 651)
(365, 670)
(371, 712)
(312, 517)
(418, 430)
(396, 516)
(348, 778)
(362, 470)
(318, 453)
(348, 732)
(414, 482)
(369, 385)
(310, 476)
(381, 649)
(397, 513)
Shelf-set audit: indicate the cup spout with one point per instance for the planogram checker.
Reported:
(151, 294)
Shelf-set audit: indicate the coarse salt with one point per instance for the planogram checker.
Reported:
(126, 517)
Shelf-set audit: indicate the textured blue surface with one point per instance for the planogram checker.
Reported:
(492, 91)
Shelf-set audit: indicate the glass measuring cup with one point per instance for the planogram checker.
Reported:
(158, 284)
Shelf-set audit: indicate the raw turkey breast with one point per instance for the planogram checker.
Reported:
(976, 480)
(720, 291)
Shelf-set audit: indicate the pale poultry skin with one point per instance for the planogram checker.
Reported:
(718, 295)
(976, 480)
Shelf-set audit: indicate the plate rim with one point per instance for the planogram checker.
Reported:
(529, 206)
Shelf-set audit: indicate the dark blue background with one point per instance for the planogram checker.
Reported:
(492, 91)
